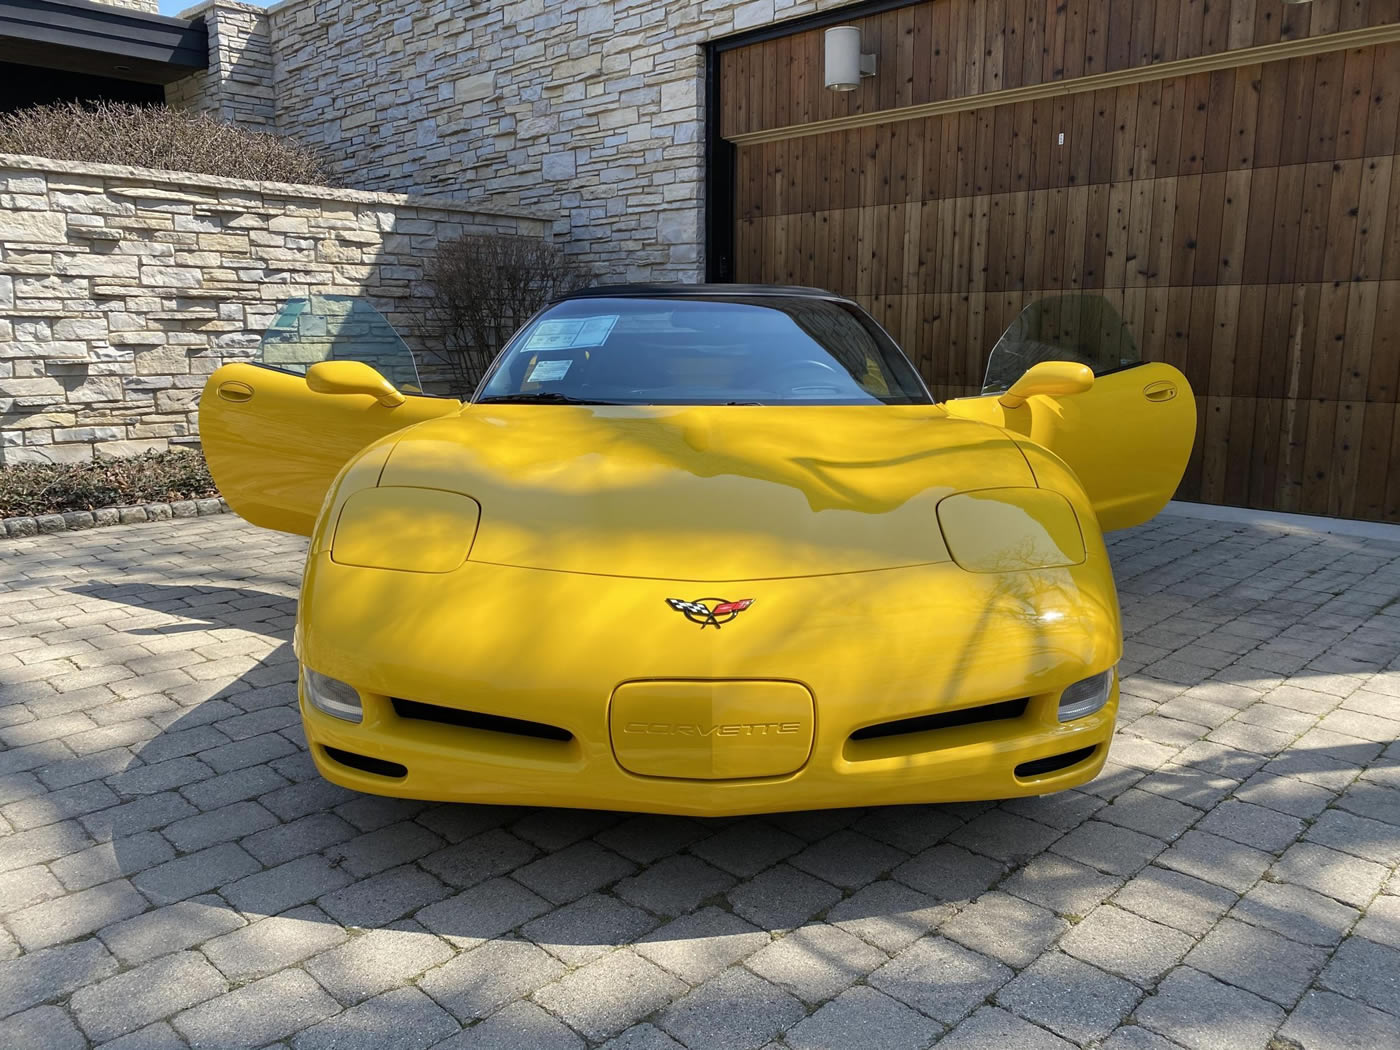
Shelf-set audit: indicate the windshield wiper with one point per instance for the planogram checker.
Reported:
(544, 395)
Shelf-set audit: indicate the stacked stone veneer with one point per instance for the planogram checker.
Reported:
(122, 288)
(590, 107)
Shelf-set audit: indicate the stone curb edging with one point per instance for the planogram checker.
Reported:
(87, 519)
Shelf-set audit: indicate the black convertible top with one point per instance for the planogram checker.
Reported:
(710, 291)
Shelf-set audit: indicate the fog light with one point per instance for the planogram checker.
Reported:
(1086, 696)
(331, 695)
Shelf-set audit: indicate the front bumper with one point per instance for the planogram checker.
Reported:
(553, 648)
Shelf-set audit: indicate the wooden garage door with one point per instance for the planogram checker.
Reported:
(1245, 219)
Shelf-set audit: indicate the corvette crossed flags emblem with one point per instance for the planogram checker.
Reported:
(709, 612)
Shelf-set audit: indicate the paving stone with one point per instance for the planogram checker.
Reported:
(195, 873)
(949, 873)
(1107, 847)
(237, 786)
(75, 915)
(1123, 943)
(1297, 913)
(570, 873)
(524, 1026)
(63, 804)
(273, 943)
(1199, 1012)
(782, 897)
(479, 858)
(403, 1019)
(1324, 1021)
(477, 983)
(219, 825)
(889, 914)
(588, 927)
(1360, 836)
(611, 993)
(1257, 960)
(44, 1026)
(746, 848)
(1364, 970)
(1005, 927)
(1064, 886)
(170, 929)
(1069, 997)
(848, 859)
(553, 829)
(1264, 829)
(1131, 1037)
(137, 997)
(815, 962)
(377, 960)
(1368, 799)
(736, 1008)
(27, 886)
(486, 911)
(990, 1027)
(698, 946)
(674, 885)
(862, 1017)
(256, 1014)
(1176, 900)
(1150, 813)
(1348, 879)
(52, 973)
(110, 860)
(43, 845)
(940, 978)
(1381, 923)
(384, 848)
(1214, 859)
(308, 834)
(1285, 794)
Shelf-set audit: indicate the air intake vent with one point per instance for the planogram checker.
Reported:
(365, 764)
(1054, 763)
(453, 716)
(966, 716)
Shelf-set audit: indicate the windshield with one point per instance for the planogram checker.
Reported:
(768, 350)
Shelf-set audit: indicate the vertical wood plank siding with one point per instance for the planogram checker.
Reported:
(1246, 221)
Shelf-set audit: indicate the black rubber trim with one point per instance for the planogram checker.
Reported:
(1054, 763)
(454, 716)
(966, 716)
(365, 764)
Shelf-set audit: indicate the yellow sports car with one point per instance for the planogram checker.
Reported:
(704, 549)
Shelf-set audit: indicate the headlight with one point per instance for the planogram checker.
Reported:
(331, 695)
(408, 529)
(1010, 530)
(1086, 696)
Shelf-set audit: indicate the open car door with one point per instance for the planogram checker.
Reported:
(1128, 437)
(273, 444)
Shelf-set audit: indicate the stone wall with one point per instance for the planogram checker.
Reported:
(593, 108)
(122, 288)
(238, 84)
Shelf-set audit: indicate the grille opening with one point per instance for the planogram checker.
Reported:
(366, 764)
(1052, 764)
(453, 716)
(967, 716)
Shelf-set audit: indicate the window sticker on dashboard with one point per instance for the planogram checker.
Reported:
(571, 334)
(548, 371)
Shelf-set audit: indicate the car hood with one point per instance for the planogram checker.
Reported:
(706, 493)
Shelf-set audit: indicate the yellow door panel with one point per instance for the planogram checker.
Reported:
(1128, 437)
(274, 445)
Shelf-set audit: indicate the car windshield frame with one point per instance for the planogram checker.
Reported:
(896, 370)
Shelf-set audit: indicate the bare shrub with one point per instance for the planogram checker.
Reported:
(152, 477)
(156, 137)
(485, 286)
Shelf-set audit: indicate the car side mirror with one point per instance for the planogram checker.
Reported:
(352, 377)
(1055, 378)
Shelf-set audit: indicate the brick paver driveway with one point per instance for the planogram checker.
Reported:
(173, 871)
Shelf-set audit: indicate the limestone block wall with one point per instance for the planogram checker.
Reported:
(122, 288)
(593, 108)
(238, 85)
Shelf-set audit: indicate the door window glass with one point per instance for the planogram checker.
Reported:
(1081, 328)
(316, 328)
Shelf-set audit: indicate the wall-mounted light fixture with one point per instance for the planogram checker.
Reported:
(845, 62)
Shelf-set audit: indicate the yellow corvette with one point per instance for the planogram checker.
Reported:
(706, 550)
